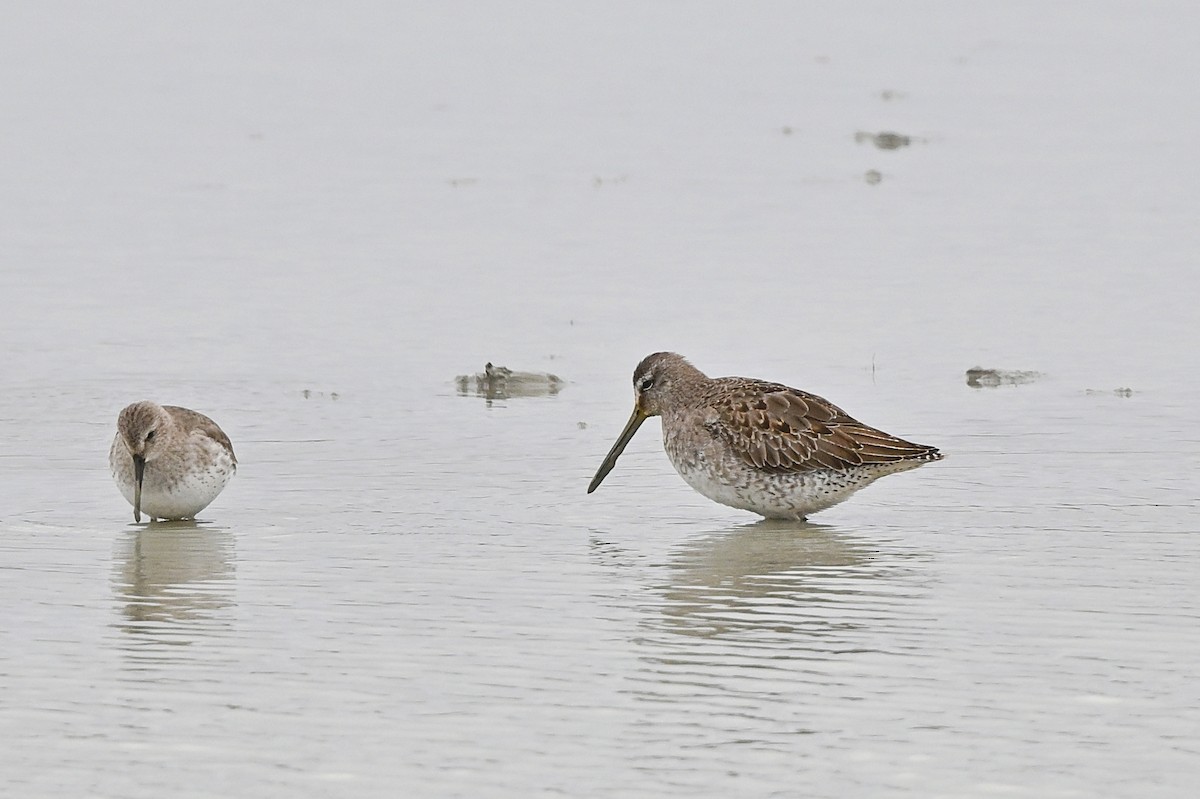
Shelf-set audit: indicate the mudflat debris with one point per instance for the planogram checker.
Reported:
(978, 377)
(884, 140)
(500, 382)
(1117, 392)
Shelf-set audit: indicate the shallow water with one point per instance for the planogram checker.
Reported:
(306, 225)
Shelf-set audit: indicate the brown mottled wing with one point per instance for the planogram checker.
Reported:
(193, 421)
(780, 429)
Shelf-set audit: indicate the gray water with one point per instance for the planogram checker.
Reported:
(305, 221)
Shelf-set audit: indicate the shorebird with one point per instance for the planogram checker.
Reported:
(168, 461)
(759, 446)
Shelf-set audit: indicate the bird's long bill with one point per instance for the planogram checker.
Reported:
(610, 460)
(139, 471)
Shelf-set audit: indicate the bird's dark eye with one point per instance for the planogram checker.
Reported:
(646, 383)
(150, 435)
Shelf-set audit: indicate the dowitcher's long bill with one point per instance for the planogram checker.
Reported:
(169, 462)
(762, 447)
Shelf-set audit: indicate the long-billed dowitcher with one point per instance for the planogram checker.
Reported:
(759, 446)
(169, 462)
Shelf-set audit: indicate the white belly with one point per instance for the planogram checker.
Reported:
(174, 488)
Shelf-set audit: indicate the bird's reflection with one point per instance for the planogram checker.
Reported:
(172, 581)
(743, 630)
(795, 582)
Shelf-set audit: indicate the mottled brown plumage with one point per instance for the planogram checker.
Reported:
(780, 429)
(760, 446)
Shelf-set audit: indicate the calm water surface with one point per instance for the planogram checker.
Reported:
(306, 224)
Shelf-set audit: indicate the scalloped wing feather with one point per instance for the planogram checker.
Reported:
(780, 429)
